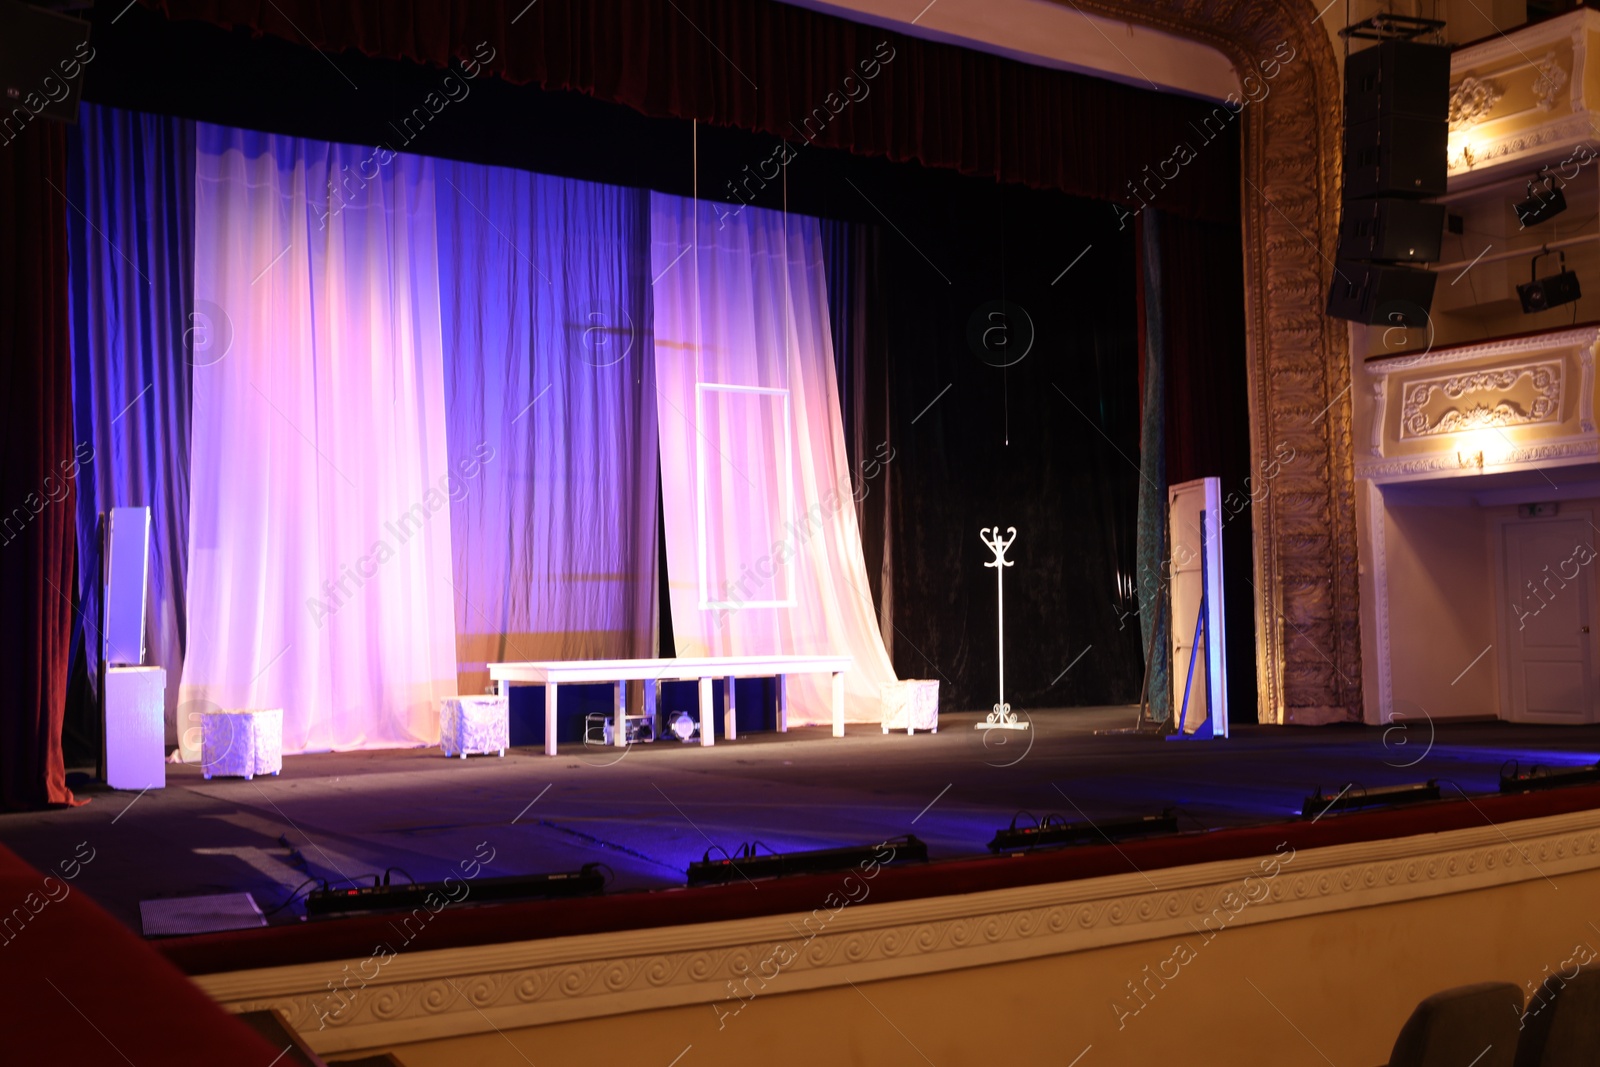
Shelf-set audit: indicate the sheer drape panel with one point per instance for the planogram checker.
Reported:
(134, 341)
(549, 384)
(320, 486)
(763, 546)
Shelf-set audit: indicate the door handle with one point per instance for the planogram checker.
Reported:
(1583, 629)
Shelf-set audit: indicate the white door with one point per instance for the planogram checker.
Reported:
(1199, 655)
(1549, 582)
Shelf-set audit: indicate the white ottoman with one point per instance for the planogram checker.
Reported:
(241, 743)
(910, 704)
(475, 725)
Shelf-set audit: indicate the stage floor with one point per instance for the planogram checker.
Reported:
(647, 812)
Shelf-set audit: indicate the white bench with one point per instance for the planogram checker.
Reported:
(552, 674)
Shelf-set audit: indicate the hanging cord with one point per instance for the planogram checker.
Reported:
(1005, 363)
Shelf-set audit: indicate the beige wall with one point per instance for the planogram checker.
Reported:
(1441, 561)
(1441, 610)
(1345, 982)
(1236, 960)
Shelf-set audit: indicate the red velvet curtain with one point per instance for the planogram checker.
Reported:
(37, 464)
(784, 70)
(1207, 412)
(1207, 409)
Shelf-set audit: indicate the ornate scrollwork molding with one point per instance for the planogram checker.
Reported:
(1568, 450)
(1582, 338)
(1471, 100)
(422, 995)
(1551, 80)
(1482, 398)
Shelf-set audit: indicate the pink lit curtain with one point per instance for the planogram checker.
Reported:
(763, 549)
(321, 487)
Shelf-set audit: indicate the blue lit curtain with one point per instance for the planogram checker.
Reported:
(426, 333)
(131, 250)
(545, 297)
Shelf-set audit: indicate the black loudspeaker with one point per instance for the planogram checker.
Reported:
(42, 56)
(1397, 78)
(1377, 294)
(1391, 230)
(1401, 155)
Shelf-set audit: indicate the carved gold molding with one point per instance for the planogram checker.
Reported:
(424, 995)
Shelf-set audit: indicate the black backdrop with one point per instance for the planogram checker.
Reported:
(1048, 444)
(1002, 322)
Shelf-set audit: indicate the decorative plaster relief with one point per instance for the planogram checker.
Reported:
(1471, 100)
(1552, 79)
(1517, 395)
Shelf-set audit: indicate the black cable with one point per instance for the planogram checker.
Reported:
(293, 895)
(1462, 237)
(402, 870)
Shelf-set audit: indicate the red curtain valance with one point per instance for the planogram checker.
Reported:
(777, 69)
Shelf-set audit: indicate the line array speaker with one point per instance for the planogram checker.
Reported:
(1391, 230)
(1397, 101)
(1381, 294)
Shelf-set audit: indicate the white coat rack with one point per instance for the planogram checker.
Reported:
(1001, 718)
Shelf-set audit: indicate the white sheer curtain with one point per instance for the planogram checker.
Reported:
(763, 549)
(320, 494)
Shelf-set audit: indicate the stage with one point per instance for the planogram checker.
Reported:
(647, 812)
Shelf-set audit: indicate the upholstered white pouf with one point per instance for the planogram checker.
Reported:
(910, 704)
(241, 743)
(474, 725)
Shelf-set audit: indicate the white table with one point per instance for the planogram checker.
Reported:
(552, 674)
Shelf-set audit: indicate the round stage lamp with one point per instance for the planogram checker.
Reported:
(682, 726)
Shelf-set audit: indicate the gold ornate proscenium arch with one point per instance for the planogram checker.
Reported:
(1308, 656)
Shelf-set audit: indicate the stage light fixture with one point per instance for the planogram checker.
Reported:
(1552, 290)
(1352, 797)
(1539, 778)
(748, 864)
(682, 726)
(1056, 830)
(1545, 200)
(360, 900)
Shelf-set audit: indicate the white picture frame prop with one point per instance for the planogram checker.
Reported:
(127, 568)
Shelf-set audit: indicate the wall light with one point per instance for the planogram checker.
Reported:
(1487, 446)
